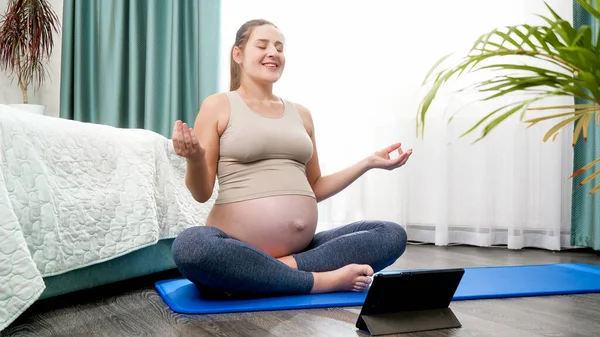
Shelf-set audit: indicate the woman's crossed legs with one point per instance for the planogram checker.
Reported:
(339, 259)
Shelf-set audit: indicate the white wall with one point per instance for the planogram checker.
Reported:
(49, 93)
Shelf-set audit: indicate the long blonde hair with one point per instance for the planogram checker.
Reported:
(241, 38)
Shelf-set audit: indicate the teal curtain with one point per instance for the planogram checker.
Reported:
(585, 218)
(138, 63)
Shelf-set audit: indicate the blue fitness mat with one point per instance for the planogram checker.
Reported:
(477, 283)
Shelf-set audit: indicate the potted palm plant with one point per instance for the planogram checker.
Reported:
(570, 66)
(26, 43)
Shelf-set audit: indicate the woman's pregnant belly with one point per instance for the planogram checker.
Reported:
(278, 226)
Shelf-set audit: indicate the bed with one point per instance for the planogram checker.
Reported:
(83, 205)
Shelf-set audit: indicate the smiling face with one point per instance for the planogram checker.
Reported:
(261, 57)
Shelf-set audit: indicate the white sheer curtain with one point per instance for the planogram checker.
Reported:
(358, 65)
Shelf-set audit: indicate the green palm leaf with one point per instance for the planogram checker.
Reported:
(567, 63)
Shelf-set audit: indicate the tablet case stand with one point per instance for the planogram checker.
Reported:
(403, 302)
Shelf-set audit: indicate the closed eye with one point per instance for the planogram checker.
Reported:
(261, 43)
(279, 50)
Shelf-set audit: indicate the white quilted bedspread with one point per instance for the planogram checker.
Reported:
(74, 194)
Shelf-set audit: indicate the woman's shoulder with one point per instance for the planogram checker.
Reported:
(302, 109)
(304, 114)
(216, 98)
(216, 104)
(215, 109)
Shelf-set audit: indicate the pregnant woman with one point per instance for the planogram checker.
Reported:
(260, 236)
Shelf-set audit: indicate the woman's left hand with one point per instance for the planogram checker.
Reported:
(381, 159)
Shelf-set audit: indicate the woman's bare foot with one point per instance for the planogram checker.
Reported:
(353, 277)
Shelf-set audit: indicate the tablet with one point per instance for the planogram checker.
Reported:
(409, 301)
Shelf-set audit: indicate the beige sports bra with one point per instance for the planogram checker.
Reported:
(262, 156)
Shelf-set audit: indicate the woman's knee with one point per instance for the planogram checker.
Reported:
(194, 246)
(395, 237)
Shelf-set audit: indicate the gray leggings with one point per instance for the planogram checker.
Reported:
(212, 260)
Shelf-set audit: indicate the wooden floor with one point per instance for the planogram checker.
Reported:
(136, 310)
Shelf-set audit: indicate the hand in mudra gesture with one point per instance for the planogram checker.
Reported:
(382, 160)
(185, 142)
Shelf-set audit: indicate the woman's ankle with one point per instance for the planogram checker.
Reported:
(289, 261)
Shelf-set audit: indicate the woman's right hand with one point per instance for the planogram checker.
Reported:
(185, 142)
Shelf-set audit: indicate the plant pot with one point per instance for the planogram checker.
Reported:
(32, 108)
